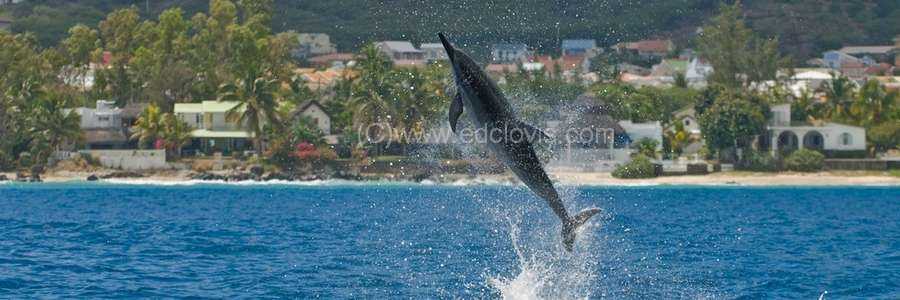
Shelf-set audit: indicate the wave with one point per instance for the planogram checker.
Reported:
(327, 182)
(550, 272)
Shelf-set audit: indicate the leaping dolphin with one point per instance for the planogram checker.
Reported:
(490, 111)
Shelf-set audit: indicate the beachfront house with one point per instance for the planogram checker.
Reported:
(846, 64)
(102, 126)
(697, 72)
(833, 139)
(647, 49)
(316, 113)
(212, 131)
(434, 52)
(580, 47)
(5, 23)
(313, 44)
(589, 138)
(402, 53)
(509, 52)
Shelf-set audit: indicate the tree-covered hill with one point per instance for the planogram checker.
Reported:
(806, 27)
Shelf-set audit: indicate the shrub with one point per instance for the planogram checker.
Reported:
(647, 147)
(805, 160)
(885, 136)
(639, 167)
(758, 161)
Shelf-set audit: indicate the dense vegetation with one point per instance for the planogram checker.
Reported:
(805, 27)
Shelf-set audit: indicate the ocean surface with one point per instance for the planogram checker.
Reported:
(382, 241)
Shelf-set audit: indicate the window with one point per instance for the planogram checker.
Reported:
(197, 119)
(103, 118)
(846, 139)
(687, 122)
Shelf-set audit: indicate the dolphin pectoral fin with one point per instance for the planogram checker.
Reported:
(570, 226)
(533, 132)
(456, 109)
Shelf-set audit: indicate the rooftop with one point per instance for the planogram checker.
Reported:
(510, 47)
(867, 49)
(399, 46)
(579, 44)
(205, 107)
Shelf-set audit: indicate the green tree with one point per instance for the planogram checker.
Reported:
(51, 127)
(839, 92)
(175, 133)
(120, 32)
(885, 136)
(739, 58)
(370, 97)
(258, 103)
(147, 127)
(78, 48)
(732, 122)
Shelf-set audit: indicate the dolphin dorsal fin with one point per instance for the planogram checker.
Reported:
(456, 109)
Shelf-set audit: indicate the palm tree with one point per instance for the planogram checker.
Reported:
(371, 98)
(175, 133)
(873, 104)
(51, 127)
(840, 96)
(147, 127)
(258, 97)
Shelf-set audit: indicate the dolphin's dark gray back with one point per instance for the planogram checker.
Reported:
(488, 107)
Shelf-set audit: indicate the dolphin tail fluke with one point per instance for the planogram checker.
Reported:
(571, 226)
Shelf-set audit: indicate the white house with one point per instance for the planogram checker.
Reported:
(639, 131)
(212, 130)
(697, 72)
(315, 112)
(104, 116)
(434, 51)
(403, 53)
(507, 52)
(786, 136)
(102, 126)
(313, 44)
(585, 47)
(688, 118)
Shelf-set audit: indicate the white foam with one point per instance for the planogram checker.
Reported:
(549, 272)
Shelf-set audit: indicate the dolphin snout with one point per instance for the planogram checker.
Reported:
(447, 46)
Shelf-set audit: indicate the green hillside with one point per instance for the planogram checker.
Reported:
(806, 27)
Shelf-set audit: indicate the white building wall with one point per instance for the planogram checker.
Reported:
(130, 160)
(323, 122)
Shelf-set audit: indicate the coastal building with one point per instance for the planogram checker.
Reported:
(212, 130)
(102, 126)
(5, 23)
(402, 53)
(434, 52)
(338, 60)
(847, 64)
(688, 118)
(509, 52)
(697, 72)
(785, 135)
(592, 140)
(313, 44)
(876, 53)
(579, 47)
(670, 68)
(647, 49)
(316, 113)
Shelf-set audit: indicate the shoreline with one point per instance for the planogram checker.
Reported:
(567, 178)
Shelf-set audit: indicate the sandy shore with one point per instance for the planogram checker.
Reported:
(843, 178)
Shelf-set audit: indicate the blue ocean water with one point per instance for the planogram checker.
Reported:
(98, 240)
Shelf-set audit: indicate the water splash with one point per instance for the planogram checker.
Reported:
(546, 271)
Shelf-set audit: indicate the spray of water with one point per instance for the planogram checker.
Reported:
(545, 270)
